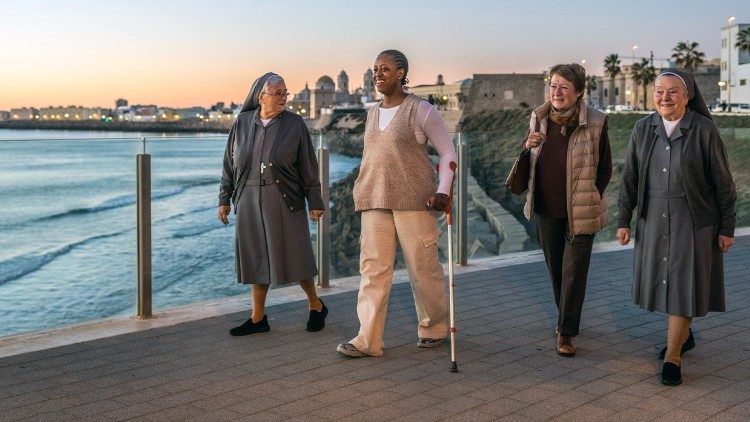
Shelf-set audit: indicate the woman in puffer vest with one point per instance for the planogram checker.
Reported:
(571, 165)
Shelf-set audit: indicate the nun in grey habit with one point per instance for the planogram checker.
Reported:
(269, 172)
(677, 174)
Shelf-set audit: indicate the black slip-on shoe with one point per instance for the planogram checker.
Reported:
(687, 345)
(317, 319)
(250, 327)
(670, 374)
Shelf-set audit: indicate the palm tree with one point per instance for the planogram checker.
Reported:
(590, 86)
(643, 74)
(743, 40)
(687, 55)
(612, 68)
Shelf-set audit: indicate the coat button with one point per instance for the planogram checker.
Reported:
(284, 195)
(664, 215)
(277, 180)
(664, 170)
(664, 282)
(270, 164)
(664, 259)
(291, 208)
(668, 147)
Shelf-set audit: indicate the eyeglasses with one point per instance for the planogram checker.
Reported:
(278, 93)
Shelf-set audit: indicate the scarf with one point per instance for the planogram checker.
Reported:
(567, 119)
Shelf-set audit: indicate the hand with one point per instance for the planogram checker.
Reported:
(316, 214)
(223, 214)
(534, 140)
(437, 202)
(623, 235)
(725, 242)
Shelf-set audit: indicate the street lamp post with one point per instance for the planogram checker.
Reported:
(729, 63)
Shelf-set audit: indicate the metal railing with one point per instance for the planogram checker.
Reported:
(323, 240)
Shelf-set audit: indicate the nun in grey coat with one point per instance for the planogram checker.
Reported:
(677, 174)
(269, 172)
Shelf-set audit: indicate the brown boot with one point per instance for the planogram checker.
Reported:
(565, 345)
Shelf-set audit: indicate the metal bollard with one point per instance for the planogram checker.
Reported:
(324, 224)
(143, 229)
(462, 202)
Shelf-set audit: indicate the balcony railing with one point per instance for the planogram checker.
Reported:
(71, 249)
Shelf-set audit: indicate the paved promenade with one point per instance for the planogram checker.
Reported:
(508, 366)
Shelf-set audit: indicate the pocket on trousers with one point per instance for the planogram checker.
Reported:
(430, 239)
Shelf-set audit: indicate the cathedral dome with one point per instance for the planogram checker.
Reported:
(325, 83)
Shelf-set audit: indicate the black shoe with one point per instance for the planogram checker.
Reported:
(250, 327)
(687, 345)
(317, 319)
(670, 374)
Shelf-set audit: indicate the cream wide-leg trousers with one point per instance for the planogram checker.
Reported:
(418, 235)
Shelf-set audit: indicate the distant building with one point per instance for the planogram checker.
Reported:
(124, 113)
(191, 113)
(145, 113)
(626, 93)
(505, 91)
(121, 102)
(300, 104)
(369, 93)
(735, 67)
(4, 116)
(23, 113)
(445, 97)
(70, 113)
(342, 89)
(322, 96)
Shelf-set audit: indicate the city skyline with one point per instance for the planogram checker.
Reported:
(182, 54)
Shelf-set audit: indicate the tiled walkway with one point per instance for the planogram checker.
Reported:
(506, 358)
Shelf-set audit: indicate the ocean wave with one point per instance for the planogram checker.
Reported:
(22, 265)
(197, 230)
(112, 203)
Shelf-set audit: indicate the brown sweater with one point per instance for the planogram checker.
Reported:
(396, 172)
(550, 192)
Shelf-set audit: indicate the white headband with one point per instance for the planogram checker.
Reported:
(674, 74)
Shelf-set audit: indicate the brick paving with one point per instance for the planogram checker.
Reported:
(508, 366)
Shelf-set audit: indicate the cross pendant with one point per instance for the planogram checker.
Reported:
(262, 167)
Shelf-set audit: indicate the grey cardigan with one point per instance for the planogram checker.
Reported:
(706, 177)
(295, 166)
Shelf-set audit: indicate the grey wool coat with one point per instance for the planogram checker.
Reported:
(293, 158)
(706, 177)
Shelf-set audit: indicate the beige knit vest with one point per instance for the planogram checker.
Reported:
(395, 173)
(587, 210)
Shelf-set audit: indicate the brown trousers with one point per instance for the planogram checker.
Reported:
(567, 259)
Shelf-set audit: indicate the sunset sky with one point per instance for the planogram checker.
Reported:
(185, 53)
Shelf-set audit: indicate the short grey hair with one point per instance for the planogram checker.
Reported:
(271, 81)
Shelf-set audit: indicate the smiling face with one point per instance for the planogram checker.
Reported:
(385, 75)
(670, 97)
(273, 100)
(562, 93)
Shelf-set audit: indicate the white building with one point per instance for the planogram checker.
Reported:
(735, 67)
(74, 113)
(23, 113)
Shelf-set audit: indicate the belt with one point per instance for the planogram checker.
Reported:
(667, 194)
(260, 182)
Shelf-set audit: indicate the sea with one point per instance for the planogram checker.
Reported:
(68, 224)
